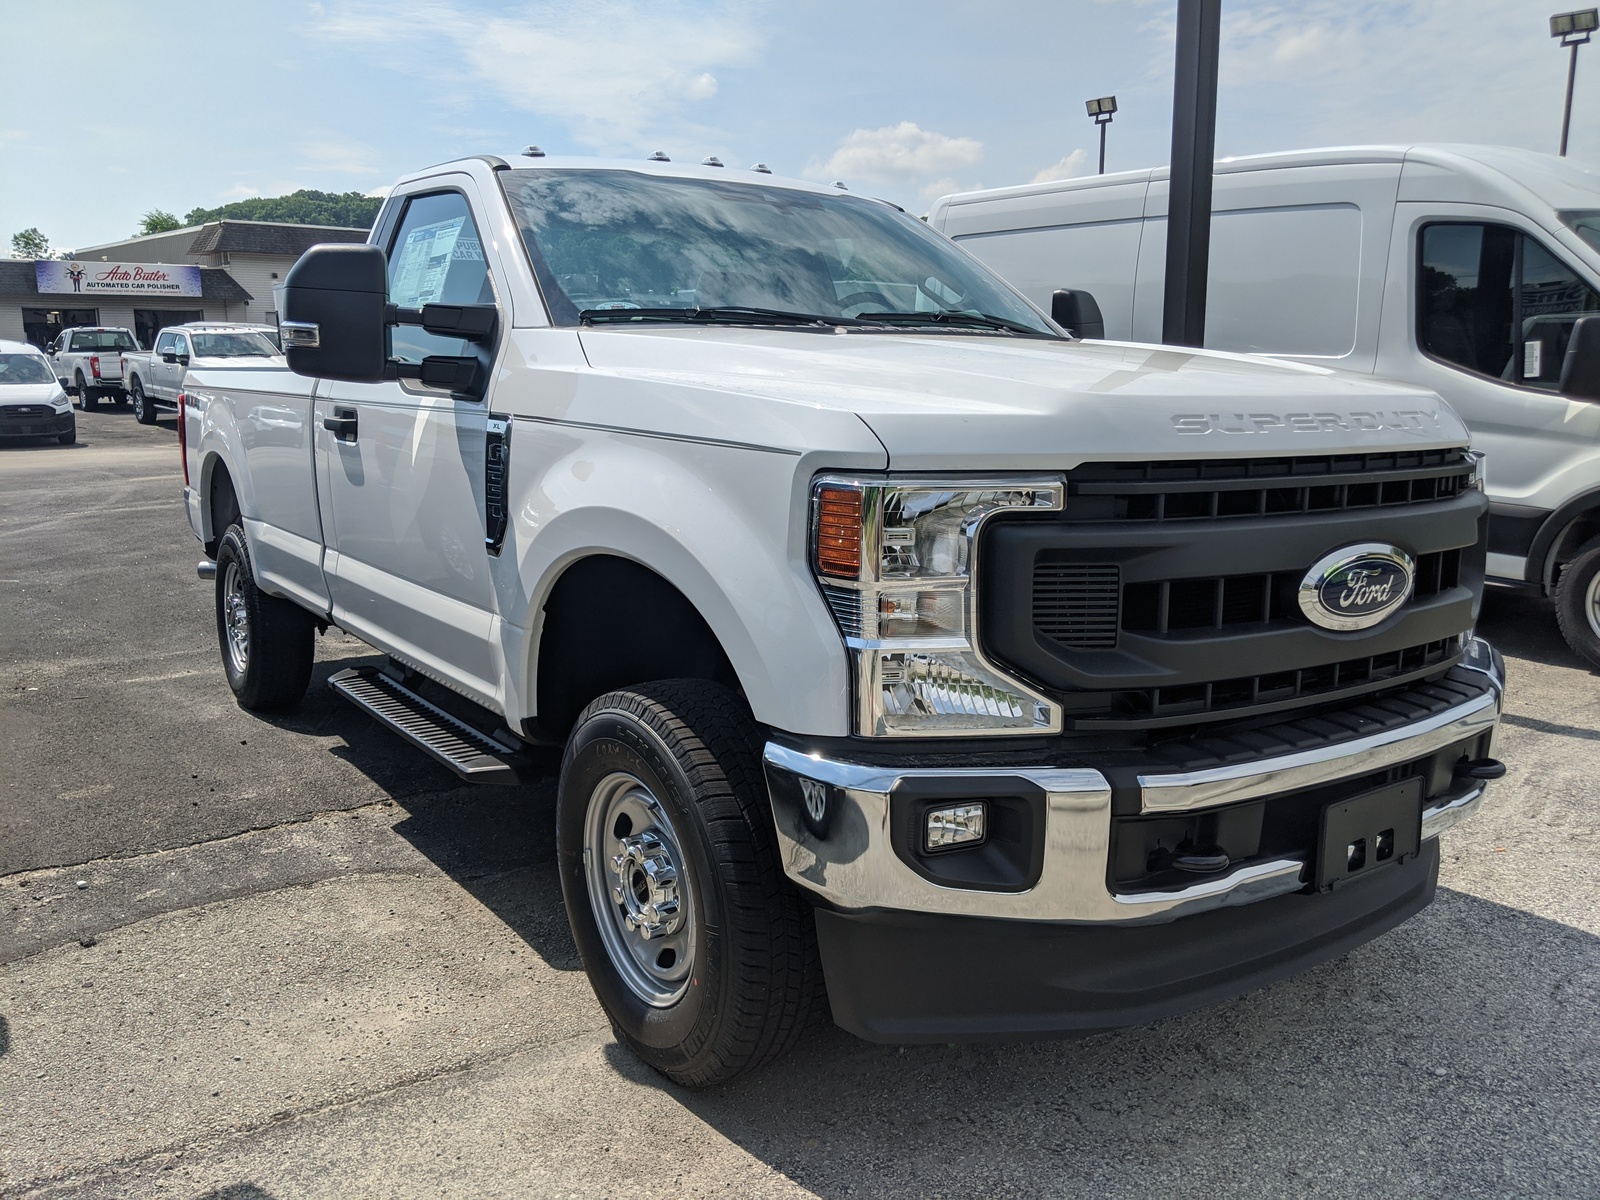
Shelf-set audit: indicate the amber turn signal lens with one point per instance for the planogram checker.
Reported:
(839, 532)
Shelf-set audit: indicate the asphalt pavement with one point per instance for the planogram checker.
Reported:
(252, 959)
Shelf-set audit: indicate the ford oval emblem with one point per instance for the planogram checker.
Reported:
(1357, 586)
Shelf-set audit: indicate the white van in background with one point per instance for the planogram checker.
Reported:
(1460, 268)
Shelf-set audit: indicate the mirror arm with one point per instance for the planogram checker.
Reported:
(474, 322)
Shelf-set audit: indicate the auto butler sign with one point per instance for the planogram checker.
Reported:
(99, 278)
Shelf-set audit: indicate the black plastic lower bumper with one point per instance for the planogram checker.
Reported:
(902, 977)
(36, 424)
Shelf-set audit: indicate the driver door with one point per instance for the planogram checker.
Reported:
(401, 470)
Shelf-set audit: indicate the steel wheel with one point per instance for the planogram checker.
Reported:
(1591, 604)
(639, 889)
(236, 618)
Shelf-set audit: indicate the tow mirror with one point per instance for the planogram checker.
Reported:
(332, 318)
(335, 320)
(1077, 313)
(1580, 369)
(169, 356)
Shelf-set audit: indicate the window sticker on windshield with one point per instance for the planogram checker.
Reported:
(424, 261)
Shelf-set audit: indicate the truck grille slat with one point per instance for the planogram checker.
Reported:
(1201, 622)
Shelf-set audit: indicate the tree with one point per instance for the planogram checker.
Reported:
(30, 243)
(157, 221)
(305, 207)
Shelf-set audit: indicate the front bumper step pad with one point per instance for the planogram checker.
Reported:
(470, 753)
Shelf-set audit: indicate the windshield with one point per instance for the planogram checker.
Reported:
(104, 339)
(606, 244)
(232, 345)
(24, 368)
(1586, 225)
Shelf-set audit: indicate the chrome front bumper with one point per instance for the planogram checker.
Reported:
(855, 867)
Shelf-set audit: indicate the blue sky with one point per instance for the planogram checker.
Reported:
(187, 103)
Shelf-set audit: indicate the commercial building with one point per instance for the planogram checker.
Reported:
(220, 271)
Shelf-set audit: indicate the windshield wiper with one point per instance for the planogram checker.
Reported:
(948, 317)
(723, 314)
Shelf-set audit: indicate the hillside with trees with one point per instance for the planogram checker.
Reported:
(305, 207)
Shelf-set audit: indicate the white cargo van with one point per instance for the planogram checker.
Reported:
(1460, 268)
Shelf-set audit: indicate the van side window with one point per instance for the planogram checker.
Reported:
(435, 258)
(1494, 301)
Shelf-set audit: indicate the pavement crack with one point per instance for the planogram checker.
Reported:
(244, 1129)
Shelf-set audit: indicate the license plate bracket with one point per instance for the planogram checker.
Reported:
(1366, 832)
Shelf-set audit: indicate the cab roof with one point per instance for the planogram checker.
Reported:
(481, 164)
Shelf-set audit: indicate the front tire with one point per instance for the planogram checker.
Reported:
(267, 645)
(69, 437)
(699, 949)
(144, 411)
(1578, 602)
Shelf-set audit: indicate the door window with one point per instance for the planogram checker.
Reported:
(165, 343)
(436, 258)
(1494, 301)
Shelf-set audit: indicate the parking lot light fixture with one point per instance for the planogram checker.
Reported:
(1573, 28)
(1101, 110)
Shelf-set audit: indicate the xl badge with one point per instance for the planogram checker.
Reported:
(1357, 586)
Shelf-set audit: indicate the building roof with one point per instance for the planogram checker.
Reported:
(17, 278)
(268, 237)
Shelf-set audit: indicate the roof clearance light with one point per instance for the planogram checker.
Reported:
(762, 168)
(659, 156)
(532, 152)
(711, 160)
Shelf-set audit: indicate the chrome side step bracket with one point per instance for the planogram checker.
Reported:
(470, 753)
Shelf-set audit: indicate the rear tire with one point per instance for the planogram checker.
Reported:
(1578, 602)
(88, 398)
(144, 411)
(662, 825)
(266, 643)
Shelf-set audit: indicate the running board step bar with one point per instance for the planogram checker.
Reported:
(471, 754)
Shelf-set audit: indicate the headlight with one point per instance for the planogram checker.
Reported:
(60, 402)
(896, 560)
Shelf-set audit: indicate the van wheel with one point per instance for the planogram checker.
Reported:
(700, 950)
(69, 437)
(143, 411)
(267, 645)
(1578, 602)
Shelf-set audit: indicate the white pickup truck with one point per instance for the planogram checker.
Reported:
(88, 362)
(155, 377)
(910, 656)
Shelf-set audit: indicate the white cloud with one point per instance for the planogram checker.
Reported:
(333, 152)
(899, 154)
(617, 71)
(1428, 70)
(1067, 168)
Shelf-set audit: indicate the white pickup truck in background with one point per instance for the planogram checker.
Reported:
(155, 377)
(1005, 684)
(88, 362)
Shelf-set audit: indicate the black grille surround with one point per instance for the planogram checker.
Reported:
(1147, 621)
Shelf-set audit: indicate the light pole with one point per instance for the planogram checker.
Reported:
(1101, 110)
(1573, 28)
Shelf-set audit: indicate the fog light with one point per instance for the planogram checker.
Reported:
(955, 825)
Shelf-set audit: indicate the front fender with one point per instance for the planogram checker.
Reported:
(725, 525)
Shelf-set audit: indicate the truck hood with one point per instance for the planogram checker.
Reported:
(962, 402)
